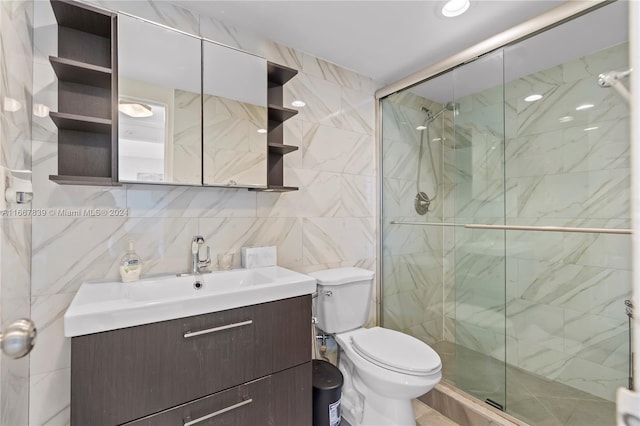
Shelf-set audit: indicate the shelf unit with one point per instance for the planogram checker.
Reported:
(86, 67)
(277, 76)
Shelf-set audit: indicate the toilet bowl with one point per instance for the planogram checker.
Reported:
(383, 369)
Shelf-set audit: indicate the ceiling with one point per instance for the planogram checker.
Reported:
(385, 40)
(534, 54)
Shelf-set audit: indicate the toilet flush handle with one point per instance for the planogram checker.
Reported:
(328, 293)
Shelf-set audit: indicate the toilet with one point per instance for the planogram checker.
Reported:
(383, 369)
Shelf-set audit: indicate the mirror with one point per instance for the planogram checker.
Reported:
(234, 117)
(159, 90)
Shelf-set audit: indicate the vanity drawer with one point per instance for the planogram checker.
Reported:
(122, 375)
(282, 399)
(247, 404)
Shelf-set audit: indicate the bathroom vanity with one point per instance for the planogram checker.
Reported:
(248, 365)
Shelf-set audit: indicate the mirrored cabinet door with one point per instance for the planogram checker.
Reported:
(234, 117)
(159, 103)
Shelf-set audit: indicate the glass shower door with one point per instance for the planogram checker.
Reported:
(475, 167)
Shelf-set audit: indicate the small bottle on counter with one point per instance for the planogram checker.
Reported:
(130, 266)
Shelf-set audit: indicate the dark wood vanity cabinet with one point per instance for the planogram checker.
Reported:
(244, 366)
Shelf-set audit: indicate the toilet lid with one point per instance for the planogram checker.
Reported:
(396, 351)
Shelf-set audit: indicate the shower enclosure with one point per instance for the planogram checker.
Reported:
(505, 221)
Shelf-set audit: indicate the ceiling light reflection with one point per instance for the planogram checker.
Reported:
(11, 105)
(134, 109)
(584, 106)
(40, 110)
(533, 98)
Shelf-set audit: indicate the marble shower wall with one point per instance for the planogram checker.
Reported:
(474, 274)
(328, 223)
(412, 256)
(16, 24)
(566, 291)
(558, 297)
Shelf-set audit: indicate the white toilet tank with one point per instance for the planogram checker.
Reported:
(344, 297)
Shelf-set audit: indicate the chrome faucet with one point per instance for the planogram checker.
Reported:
(197, 264)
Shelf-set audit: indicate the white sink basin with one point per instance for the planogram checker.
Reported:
(103, 306)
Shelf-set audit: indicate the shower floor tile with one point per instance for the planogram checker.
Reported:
(533, 399)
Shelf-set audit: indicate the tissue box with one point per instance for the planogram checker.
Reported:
(258, 257)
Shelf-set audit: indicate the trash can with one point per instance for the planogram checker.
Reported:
(327, 388)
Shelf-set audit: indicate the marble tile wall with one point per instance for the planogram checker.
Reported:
(565, 311)
(187, 145)
(233, 148)
(474, 177)
(412, 256)
(509, 160)
(328, 223)
(16, 53)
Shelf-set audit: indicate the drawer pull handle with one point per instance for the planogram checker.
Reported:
(214, 329)
(217, 413)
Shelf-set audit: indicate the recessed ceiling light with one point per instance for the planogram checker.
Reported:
(565, 119)
(421, 127)
(134, 109)
(298, 103)
(584, 106)
(533, 98)
(455, 8)
(262, 130)
(591, 128)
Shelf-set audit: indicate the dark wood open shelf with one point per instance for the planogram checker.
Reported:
(81, 123)
(275, 188)
(279, 74)
(279, 113)
(82, 18)
(281, 148)
(87, 116)
(81, 72)
(83, 180)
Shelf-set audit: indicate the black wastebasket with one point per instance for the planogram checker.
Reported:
(327, 388)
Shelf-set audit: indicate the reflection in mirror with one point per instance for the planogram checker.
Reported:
(234, 117)
(142, 143)
(159, 85)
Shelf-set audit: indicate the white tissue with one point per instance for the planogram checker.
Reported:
(258, 257)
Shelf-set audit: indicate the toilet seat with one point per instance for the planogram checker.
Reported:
(396, 351)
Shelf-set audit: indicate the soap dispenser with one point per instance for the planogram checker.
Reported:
(130, 266)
